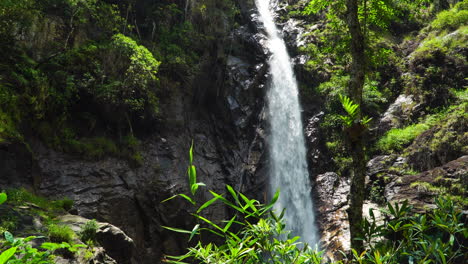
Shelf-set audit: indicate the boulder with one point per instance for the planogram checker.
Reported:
(421, 189)
(331, 193)
(446, 141)
(398, 113)
(116, 243)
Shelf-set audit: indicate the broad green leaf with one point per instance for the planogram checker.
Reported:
(194, 188)
(9, 237)
(5, 256)
(3, 197)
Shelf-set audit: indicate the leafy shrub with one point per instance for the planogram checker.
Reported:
(256, 235)
(20, 250)
(60, 233)
(453, 18)
(88, 232)
(3, 197)
(22, 196)
(435, 237)
(93, 148)
(65, 203)
(442, 43)
(397, 138)
(253, 235)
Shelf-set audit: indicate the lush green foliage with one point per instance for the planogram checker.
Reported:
(60, 233)
(20, 250)
(253, 235)
(3, 197)
(434, 237)
(352, 110)
(88, 232)
(448, 133)
(453, 18)
(397, 138)
(22, 196)
(256, 235)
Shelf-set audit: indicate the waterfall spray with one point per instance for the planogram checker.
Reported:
(287, 149)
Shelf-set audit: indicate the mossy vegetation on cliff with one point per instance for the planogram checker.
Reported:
(82, 75)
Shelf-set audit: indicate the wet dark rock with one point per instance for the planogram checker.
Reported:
(316, 157)
(17, 165)
(117, 244)
(331, 193)
(414, 187)
(380, 164)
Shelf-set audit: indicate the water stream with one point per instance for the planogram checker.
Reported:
(287, 149)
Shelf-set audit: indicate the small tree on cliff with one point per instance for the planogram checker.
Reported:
(356, 130)
(355, 125)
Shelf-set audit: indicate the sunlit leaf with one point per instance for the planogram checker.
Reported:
(3, 197)
(5, 256)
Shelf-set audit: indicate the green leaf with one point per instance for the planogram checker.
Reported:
(442, 256)
(194, 231)
(170, 198)
(5, 256)
(214, 232)
(208, 221)
(9, 237)
(272, 202)
(191, 154)
(29, 238)
(181, 195)
(451, 240)
(3, 197)
(228, 203)
(233, 193)
(229, 224)
(194, 188)
(192, 172)
(249, 203)
(187, 198)
(205, 205)
(178, 230)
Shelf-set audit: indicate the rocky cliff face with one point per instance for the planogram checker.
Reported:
(222, 113)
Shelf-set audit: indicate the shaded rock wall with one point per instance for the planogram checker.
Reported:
(221, 111)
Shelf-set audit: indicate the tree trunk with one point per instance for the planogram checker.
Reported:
(440, 5)
(354, 135)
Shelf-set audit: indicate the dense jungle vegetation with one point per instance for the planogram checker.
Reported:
(88, 78)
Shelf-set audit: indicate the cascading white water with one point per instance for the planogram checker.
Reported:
(287, 147)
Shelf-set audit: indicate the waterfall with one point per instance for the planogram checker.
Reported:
(286, 143)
